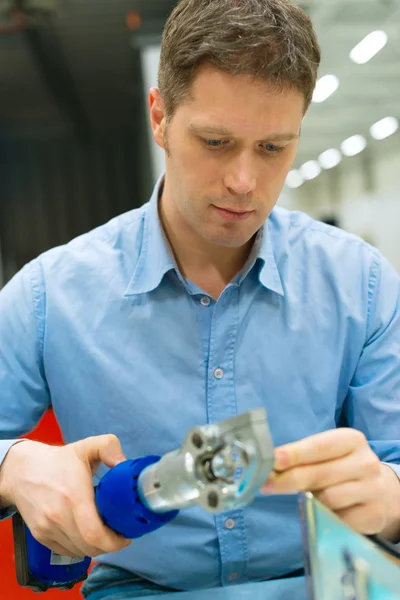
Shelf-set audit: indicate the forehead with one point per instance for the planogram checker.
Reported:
(240, 101)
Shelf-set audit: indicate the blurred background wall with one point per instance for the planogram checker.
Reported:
(349, 158)
(75, 148)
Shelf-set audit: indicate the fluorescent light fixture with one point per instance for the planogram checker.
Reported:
(384, 128)
(354, 145)
(368, 47)
(330, 158)
(326, 86)
(310, 169)
(294, 179)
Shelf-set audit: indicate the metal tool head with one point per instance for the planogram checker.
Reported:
(220, 466)
(232, 459)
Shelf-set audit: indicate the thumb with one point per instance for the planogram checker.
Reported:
(103, 448)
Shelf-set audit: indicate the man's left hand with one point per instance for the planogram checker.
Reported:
(343, 472)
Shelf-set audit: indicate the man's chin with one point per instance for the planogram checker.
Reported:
(234, 243)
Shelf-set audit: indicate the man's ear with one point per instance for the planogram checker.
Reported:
(157, 116)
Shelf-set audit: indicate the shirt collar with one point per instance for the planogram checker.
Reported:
(156, 257)
(263, 253)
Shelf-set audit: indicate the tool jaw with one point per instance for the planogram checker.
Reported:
(219, 467)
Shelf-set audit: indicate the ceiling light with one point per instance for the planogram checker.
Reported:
(310, 169)
(329, 159)
(368, 47)
(385, 128)
(294, 179)
(326, 86)
(354, 145)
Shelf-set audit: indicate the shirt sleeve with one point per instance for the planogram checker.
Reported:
(24, 394)
(373, 401)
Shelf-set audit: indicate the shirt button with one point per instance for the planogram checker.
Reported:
(218, 373)
(230, 523)
(232, 576)
(205, 301)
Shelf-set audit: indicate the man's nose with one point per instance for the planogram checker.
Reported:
(241, 179)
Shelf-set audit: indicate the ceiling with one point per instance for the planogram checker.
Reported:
(81, 72)
(367, 93)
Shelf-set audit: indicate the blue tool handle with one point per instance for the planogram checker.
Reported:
(119, 503)
(43, 569)
(121, 509)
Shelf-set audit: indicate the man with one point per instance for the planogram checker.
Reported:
(205, 303)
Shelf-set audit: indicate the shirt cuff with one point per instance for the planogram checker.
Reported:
(396, 469)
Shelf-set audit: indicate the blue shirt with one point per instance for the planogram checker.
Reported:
(107, 332)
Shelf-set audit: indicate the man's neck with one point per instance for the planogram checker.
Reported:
(210, 267)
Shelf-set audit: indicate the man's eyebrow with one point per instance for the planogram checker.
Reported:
(272, 137)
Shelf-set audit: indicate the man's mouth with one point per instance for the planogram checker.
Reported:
(233, 215)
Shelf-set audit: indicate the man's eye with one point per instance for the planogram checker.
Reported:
(272, 149)
(215, 143)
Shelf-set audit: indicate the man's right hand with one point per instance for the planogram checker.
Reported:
(52, 488)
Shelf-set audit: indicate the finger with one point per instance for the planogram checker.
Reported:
(63, 532)
(54, 546)
(346, 495)
(80, 545)
(69, 548)
(368, 519)
(102, 448)
(317, 477)
(319, 448)
(57, 528)
(93, 531)
(73, 542)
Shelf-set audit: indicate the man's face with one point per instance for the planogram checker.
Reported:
(229, 149)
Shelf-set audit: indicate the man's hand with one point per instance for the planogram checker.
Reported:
(52, 488)
(342, 471)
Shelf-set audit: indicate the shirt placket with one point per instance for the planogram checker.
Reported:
(221, 405)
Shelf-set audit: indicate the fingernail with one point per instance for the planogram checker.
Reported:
(281, 459)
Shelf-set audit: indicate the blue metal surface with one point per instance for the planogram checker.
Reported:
(328, 543)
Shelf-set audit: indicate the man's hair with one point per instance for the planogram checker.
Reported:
(271, 40)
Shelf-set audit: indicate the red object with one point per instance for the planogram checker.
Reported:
(134, 20)
(48, 432)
